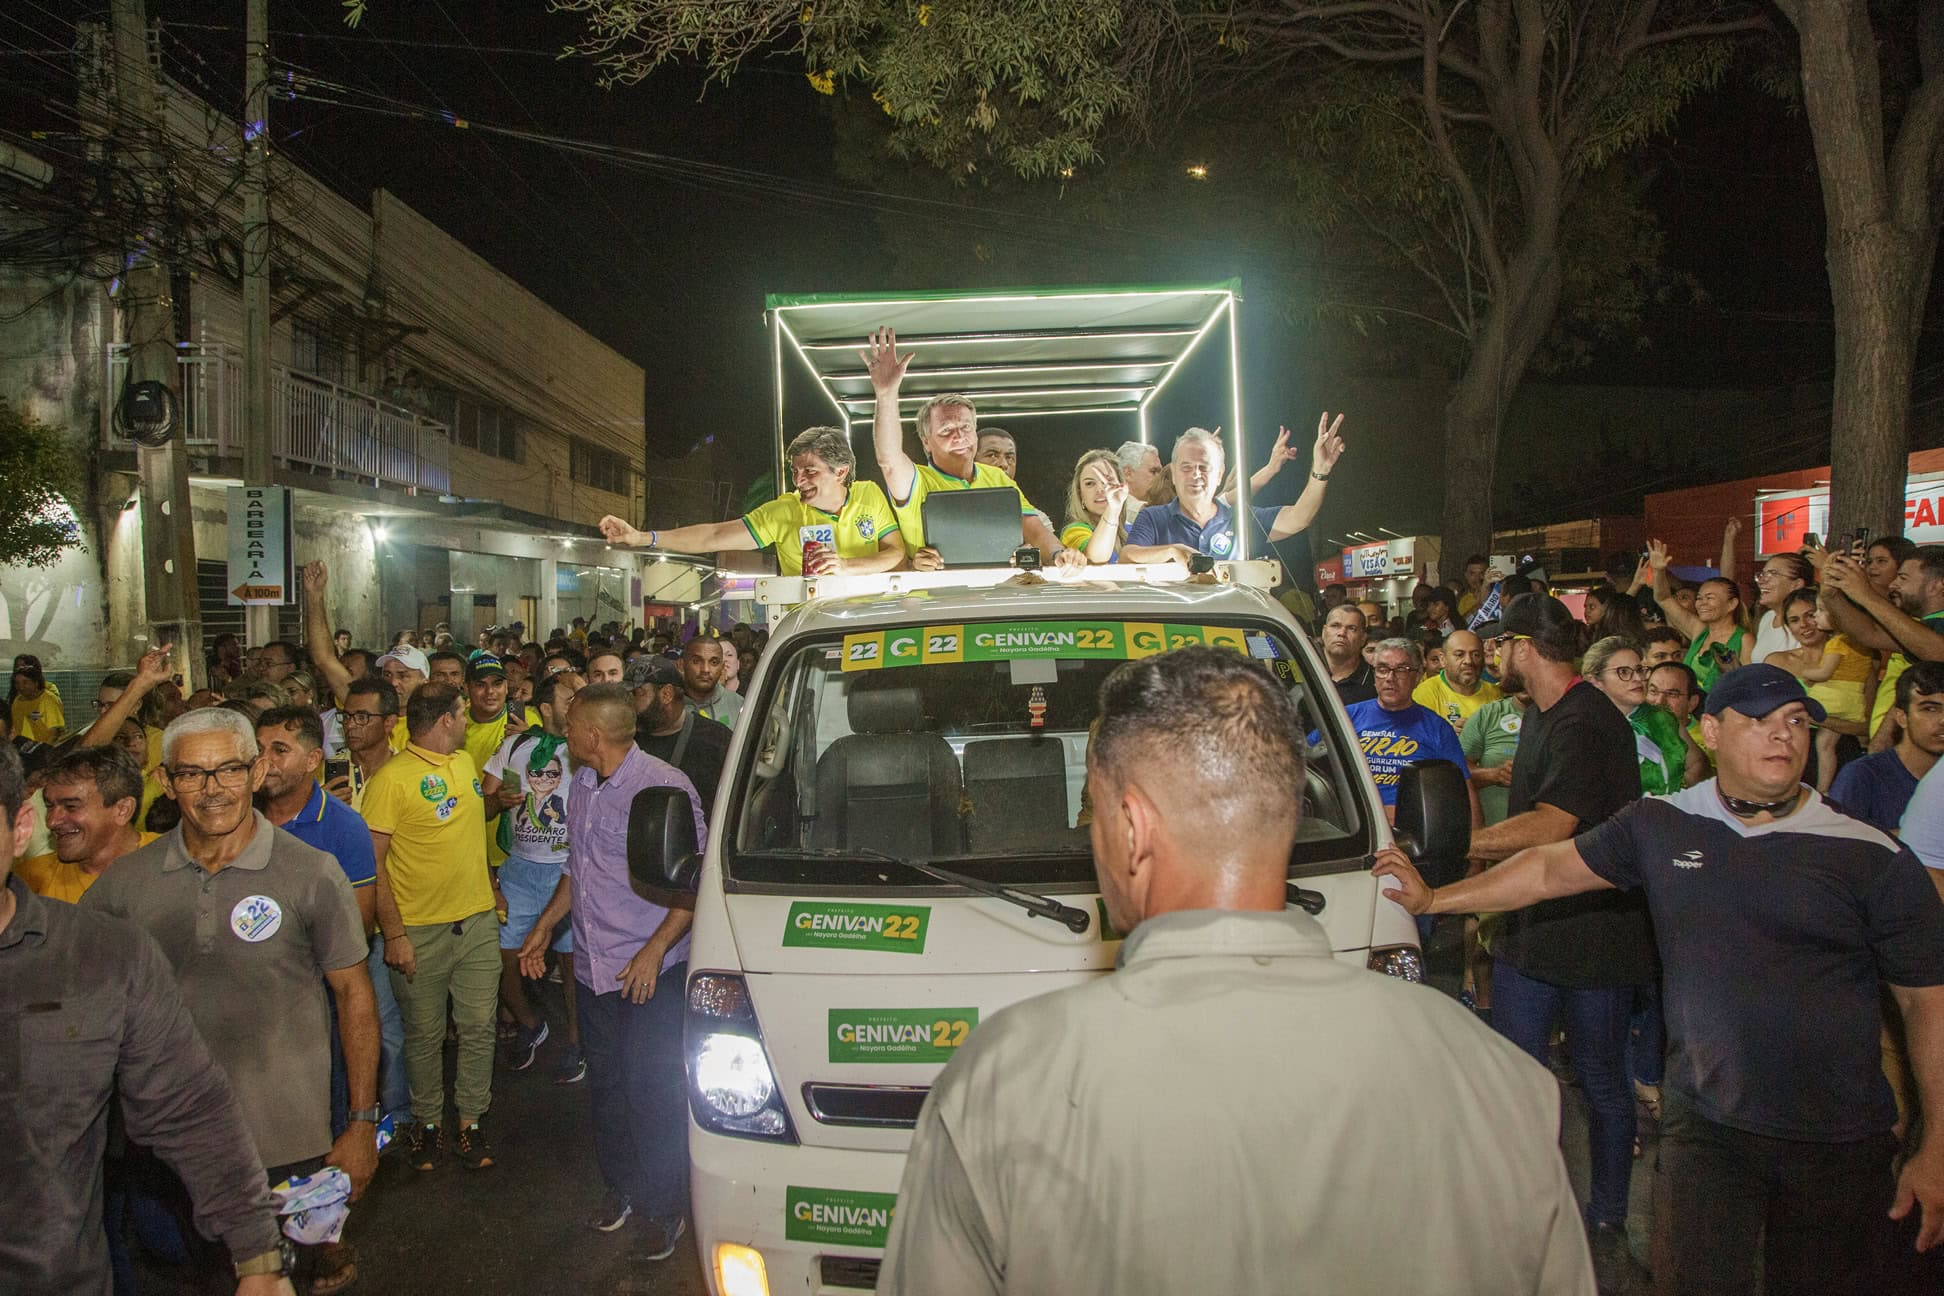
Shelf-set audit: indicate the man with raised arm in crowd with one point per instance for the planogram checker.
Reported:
(948, 428)
(1199, 523)
(1778, 920)
(831, 524)
(1419, 1155)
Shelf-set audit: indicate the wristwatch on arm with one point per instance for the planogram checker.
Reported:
(280, 1263)
(369, 1115)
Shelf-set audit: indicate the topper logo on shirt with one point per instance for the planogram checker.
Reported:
(1221, 544)
(1688, 860)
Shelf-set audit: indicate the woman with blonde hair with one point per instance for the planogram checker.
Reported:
(1096, 503)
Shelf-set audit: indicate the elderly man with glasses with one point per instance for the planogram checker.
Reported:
(260, 929)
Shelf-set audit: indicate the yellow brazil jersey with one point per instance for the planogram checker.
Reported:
(911, 517)
(857, 528)
(48, 876)
(431, 807)
(482, 740)
(41, 719)
(1077, 535)
(1448, 702)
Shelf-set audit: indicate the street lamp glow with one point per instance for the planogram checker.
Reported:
(1197, 171)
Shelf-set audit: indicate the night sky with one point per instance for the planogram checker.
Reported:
(668, 263)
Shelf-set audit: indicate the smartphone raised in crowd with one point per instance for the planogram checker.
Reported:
(336, 767)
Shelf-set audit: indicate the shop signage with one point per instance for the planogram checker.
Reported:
(1390, 558)
(1784, 521)
(259, 546)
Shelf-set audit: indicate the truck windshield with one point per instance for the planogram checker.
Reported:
(966, 745)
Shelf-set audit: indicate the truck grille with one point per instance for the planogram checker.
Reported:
(848, 1272)
(875, 1106)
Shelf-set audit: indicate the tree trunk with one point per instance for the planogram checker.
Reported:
(1509, 334)
(1875, 284)
(1881, 242)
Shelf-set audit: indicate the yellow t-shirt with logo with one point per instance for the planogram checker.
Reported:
(483, 738)
(433, 810)
(911, 513)
(857, 528)
(1449, 702)
(52, 878)
(40, 719)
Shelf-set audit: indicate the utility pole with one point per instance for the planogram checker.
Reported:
(259, 620)
(131, 120)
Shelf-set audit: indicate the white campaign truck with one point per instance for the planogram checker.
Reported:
(899, 846)
(899, 850)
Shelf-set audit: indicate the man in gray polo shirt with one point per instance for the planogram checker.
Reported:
(255, 924)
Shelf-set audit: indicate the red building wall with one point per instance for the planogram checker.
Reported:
(1690, 520)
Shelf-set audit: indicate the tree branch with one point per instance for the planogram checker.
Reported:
(1914, 159)
(1694, 31)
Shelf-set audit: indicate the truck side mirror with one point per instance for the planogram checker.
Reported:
(1433, 824)
(663, 857)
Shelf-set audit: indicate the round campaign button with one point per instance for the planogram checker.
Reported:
(256, 918)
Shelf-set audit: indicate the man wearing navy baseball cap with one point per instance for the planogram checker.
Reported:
(1777, 917)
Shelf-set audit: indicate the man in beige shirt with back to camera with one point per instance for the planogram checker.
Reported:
(1233, 1109)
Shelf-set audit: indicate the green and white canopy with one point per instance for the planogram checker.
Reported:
(1016, 352)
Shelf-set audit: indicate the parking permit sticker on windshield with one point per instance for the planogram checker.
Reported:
(899, 1034)
(893, 929)
(1017, 640)
(861, 1219)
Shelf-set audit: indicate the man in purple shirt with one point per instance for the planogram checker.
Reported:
(630, 970)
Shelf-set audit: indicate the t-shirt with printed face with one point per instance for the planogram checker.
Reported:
(1393, 739)
(1774, 939)
(1578, 756)
(539, 829)
(856, 529)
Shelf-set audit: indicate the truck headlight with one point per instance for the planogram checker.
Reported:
(1404, 962)
(732, 1089)
(732, 1075)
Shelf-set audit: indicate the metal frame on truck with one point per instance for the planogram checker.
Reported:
(1018, 352)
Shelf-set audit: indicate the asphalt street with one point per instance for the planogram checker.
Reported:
(519, 1228)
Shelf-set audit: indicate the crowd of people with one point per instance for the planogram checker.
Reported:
(349, 858)
(1561, 724)
(1696, 887)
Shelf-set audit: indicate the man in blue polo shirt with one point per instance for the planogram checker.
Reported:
(291, 740)
(1199, 523)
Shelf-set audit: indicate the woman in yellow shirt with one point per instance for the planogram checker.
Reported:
(1096, 501)
(37, 714)
(1836, 673)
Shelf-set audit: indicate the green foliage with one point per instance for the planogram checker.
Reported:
(36, 477)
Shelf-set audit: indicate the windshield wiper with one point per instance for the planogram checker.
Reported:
(1075, 920)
